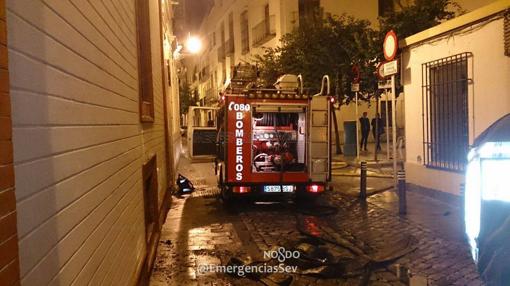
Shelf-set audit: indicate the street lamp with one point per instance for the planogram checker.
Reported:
(193, 45)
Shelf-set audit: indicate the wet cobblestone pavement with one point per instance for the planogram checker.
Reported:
(199, 231)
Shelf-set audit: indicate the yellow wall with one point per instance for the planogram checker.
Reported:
(79, 146)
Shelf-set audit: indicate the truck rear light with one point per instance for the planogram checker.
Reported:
(241, 189)
(315, 188)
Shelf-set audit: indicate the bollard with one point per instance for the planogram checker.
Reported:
(402, 205)
(363, 181)
(462, 193)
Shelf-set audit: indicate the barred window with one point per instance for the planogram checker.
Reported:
(445, 112)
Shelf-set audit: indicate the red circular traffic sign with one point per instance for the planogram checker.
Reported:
(379, 71)
(356, 73)
(390, 45)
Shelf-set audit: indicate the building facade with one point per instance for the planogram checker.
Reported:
(93, 101)
(456, 85)
(236, 30)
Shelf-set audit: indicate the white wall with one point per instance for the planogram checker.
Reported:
(78, 143)
(489, 94)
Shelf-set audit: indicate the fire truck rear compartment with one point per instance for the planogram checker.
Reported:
(278, 142)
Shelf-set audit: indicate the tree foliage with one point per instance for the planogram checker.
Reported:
(332, 45)
(421, 15)
(186, 98)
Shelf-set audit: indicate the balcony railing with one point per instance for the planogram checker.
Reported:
(264, 31)
(221, 53)
(229, 47)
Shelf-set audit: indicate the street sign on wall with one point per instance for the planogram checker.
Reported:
(390, 68)
(384, 84)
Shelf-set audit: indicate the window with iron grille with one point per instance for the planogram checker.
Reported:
(445, 112)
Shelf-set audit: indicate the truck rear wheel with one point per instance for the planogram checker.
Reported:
(227, 197)
(306, 199)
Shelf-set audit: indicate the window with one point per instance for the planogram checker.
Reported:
(222, 32)
(265, 29)
(215, 78)
(221, 48)
(385, 7)
(144, 62)
(230, 44)
(445, 110)
(245, 40)
(309, 10)
(223, 73)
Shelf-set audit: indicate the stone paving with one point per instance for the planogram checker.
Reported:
(443, 262)
(198, 231)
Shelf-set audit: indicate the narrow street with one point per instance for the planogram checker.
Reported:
(267, 142)
(341, 241)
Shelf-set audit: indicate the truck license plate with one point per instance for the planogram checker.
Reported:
(278, 189)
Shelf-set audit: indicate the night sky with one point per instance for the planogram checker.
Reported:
(195, 12)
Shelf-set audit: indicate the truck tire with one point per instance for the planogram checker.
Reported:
(305, 199)
(227, 197)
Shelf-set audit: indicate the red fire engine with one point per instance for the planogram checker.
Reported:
(273, 142)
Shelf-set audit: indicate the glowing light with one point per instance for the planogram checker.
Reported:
(473, 205)
(494, 181)
(193, 45)
(495, 150)
(315, 188)
(241, 189)
(486, 179)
